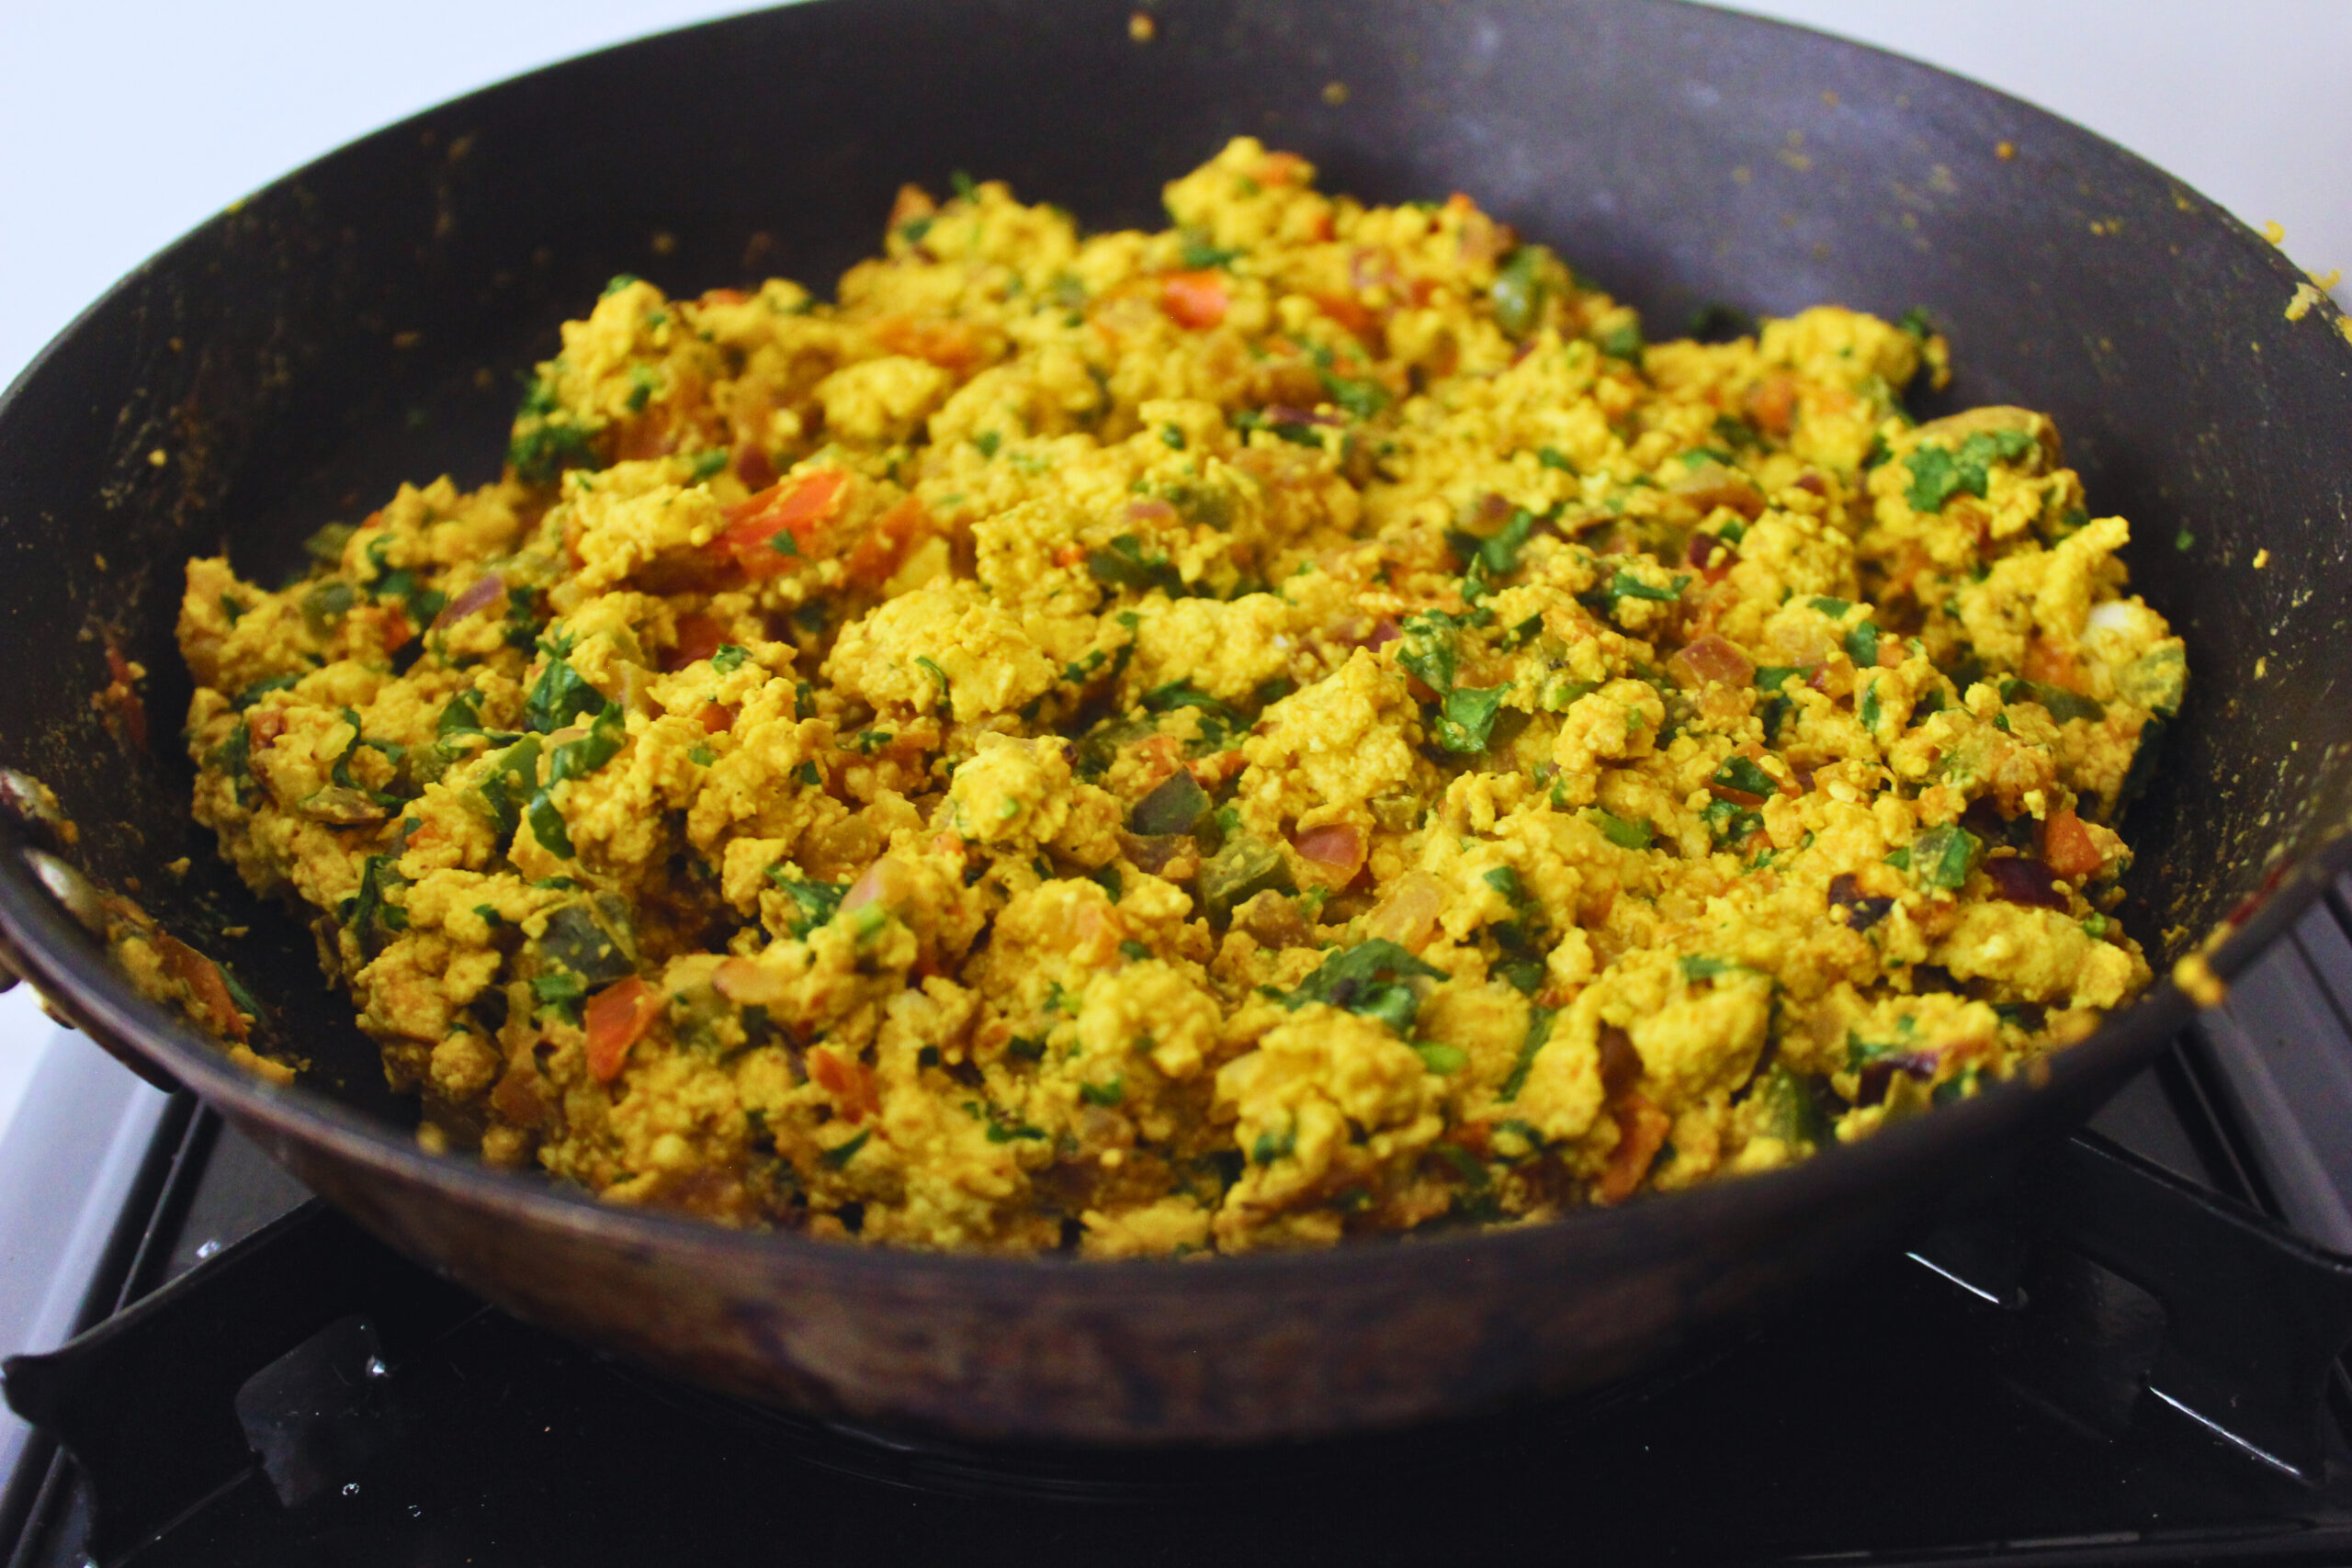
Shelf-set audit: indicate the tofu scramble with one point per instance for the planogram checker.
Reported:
(1300, 724)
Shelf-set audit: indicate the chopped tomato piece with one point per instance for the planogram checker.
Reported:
(887, 544)
(2068, 847)
(850, 1082)
(1772, 403)
(1333, 854)
(751, 465)
(765, 533)
(122, 693)
(1711, 657)
(1194, 299)
(517, 1097)
(617, 1015)
(698, 637)
(2049, 663)
(954, 346)
(202, 978)
(716, 718)
(1641, 1132)
(1346, 311)
(1282, 169)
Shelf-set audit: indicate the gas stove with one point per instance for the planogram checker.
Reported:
(2132, 1355)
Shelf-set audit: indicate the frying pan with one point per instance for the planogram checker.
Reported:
(362, 322)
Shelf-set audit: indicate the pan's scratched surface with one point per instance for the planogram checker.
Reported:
(363, 321)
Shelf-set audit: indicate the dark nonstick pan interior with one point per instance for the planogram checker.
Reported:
(363, 321)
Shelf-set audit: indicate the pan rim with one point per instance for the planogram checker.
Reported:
(55, 954)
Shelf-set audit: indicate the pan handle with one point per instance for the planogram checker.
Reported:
(2254, 1318)
(172, 1402)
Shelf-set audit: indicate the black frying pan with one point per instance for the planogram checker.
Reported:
(361, 322)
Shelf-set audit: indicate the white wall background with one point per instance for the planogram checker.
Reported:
(124, 122)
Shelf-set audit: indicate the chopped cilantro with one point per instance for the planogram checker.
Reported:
(1125, 563)
(2062, 705)
(1427, 648)
(1938, 475)
(1617, 830)
(1521, 286)
(559, 695)
(561, 992)
(1466, 717)
(816, 901)
(1539, 1031)
(839, 1155)
(1270, 1147)
(1197, 255)
(1746, 775)
(548, 828)
(1941, 856)
(1623, 342)
(1369, 979)
(1440, 1057)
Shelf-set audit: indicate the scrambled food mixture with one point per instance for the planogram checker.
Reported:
(1300, 724)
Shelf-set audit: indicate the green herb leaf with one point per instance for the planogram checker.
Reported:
(564, 993)
(1521, 286)
(1941, 856)
(816, 901)
(1539, 1031)
(2062, 705)
(512, 777)
(1362, 399)
(559, 695)
(577, 759)
(1440, 1057)
(548, 827)
(1125, 563)
(1617, 830)
(1368, 978)
(1467, 717)
(1746, 775)
(1623, 343)
(1197, 255)
(839, 1157)
(1175, 804)
(1427, 648)
(1938, 475)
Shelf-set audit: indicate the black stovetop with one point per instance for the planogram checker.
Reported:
(1995, 1397)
